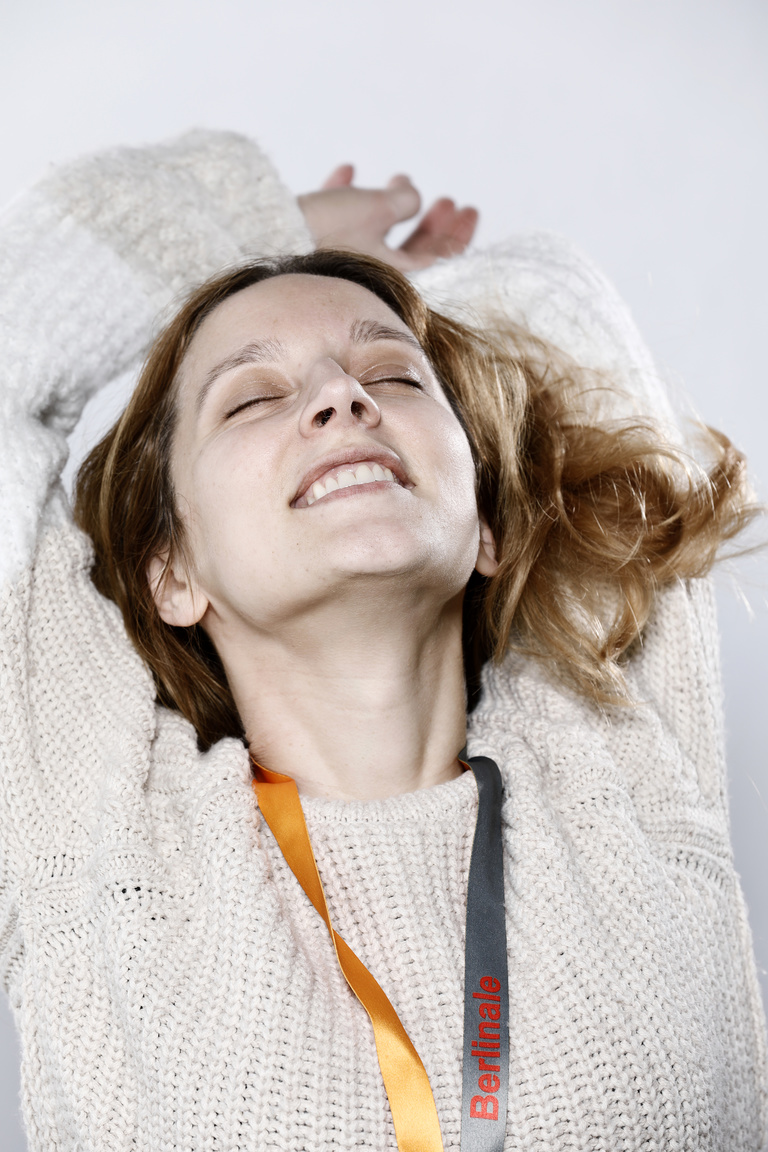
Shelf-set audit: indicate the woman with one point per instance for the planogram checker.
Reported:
(173, 985)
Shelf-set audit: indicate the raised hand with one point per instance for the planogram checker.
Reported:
(339, 215)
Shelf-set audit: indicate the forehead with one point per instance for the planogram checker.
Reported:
(286, 309)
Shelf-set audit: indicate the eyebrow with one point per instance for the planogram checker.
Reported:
(367, 331)
(257, 352)
(267, 351)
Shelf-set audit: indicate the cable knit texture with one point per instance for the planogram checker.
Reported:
(173, 987)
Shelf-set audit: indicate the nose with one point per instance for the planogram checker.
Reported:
(336, 397)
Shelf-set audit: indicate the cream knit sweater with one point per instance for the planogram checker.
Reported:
(173, 988)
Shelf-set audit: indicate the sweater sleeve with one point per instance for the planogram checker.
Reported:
(677, 769)
(547, 285)
(88, 260)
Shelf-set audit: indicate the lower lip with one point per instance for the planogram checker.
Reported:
(356, 490)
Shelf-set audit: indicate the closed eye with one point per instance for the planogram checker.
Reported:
(252, 401)
(248, 404)
(393, 380)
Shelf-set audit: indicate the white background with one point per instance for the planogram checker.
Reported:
(637, 127)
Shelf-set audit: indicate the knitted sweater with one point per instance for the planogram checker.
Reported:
(173, 987)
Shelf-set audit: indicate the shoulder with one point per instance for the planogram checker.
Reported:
(76, 697)
(665, 748)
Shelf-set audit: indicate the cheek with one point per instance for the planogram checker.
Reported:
(455, 528)
(224, 499)
(452, 462)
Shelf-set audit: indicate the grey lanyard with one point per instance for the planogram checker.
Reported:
(486, 988)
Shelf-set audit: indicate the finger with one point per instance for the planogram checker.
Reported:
(444, 231)
(437, 221)
(430, 239)
(465, 227)
(341, 177)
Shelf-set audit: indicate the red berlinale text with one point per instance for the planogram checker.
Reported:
(487, 1050)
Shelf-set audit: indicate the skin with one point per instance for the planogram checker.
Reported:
(340, 215)
(338, 622)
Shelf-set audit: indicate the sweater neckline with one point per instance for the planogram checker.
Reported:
(438, 802)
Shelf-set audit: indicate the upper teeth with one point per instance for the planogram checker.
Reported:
(363, 474)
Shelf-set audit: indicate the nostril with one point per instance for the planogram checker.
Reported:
(323, 417)
(357, 409)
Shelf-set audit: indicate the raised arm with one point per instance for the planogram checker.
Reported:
(546, 284)
(88, 260)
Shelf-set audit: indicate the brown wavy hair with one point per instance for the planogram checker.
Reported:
(590, 517)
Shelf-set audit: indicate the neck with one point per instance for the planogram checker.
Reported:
(355, 704)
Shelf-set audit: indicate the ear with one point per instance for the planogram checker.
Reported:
(486, 563)
(179, 601)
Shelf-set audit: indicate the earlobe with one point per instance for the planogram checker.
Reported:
(178, 601)
(486, 563)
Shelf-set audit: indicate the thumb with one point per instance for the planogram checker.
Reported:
(403, 197)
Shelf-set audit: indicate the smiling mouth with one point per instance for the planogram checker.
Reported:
(357, 475)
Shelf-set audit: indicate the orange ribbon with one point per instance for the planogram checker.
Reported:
(414, 1114)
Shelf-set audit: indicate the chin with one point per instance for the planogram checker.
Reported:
(434, 568)
(430, 549)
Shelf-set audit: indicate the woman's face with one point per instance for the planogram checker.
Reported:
(315, 455)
